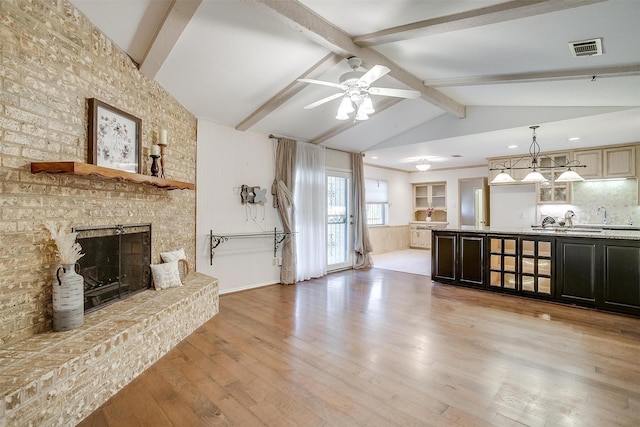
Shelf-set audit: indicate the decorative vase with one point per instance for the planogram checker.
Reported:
(428, 219)
(68, 299)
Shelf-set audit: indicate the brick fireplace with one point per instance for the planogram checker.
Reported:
(53, 59)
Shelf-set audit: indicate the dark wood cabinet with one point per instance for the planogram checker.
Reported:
(621, 287)
(601, 273)
(471, 259)
(458, 258)
(577, 270)
(443, 256)
(588, 271)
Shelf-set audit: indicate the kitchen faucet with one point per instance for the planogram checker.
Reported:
(604, 220)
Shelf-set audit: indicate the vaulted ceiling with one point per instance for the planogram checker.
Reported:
(486, 70)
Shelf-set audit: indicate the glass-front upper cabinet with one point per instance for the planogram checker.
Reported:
(551, 191)
(430, 195)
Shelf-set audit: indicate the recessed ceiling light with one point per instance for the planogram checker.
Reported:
(512, 146)
(574, 138)
(374, 157)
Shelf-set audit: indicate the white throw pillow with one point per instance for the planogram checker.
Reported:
(166, 275)
(173, 255)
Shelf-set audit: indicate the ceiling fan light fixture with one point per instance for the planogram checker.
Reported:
(342, 115)
(346, 106)
(362, 114)
(356, 87)
(367, 104)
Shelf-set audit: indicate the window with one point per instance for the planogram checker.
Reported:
(376, 195)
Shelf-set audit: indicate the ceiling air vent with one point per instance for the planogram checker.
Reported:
(586, 48)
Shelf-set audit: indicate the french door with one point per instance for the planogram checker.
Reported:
(339, 221)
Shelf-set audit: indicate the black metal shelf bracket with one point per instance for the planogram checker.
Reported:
(216, 239)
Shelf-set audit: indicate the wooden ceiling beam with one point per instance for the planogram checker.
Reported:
(543, 76)
(494, 14)
(289, 92)
(175, 21)
(297, 16)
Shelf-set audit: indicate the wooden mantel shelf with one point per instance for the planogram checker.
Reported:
(85, 169)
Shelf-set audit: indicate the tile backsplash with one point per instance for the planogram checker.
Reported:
(618, 197)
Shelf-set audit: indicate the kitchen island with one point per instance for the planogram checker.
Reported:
(584, 266)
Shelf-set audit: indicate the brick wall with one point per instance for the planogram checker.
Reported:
(52, 59)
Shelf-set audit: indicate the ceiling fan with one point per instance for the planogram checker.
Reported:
(356, 88)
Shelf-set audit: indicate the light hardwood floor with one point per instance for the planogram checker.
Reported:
(385, 348)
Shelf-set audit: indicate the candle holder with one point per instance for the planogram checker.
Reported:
(154, 165)
(162, 145)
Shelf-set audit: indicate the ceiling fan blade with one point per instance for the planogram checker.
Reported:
(324, 100)
(398, 93)
(373, 74)
(320, 82)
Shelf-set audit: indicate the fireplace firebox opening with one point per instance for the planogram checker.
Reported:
(115, 264)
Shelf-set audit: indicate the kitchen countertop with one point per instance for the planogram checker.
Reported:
(594, 233)
(430, 224)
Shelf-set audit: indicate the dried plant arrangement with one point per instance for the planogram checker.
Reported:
(68, 249)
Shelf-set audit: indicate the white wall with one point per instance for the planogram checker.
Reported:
(513, 205)
(400, 192)
(451, 177)
(227, 159)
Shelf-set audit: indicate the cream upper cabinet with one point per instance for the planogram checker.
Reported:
(431, 195)
(616, 162)
(619, 162)
(592, 159)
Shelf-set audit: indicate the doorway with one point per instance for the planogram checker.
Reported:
(339, 221)
(473, 194)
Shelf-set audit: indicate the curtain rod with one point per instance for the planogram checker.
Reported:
(272, 136)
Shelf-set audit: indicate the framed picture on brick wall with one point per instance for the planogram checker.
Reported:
(114, 138)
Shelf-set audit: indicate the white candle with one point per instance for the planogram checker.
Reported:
(155, 150)
(163, 136)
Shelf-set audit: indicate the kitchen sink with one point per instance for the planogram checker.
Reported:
(568, 230)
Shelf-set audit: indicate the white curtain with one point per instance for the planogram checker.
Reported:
(309, 216)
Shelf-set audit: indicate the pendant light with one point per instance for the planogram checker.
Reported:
(569, 176)
(503, 178)
(534, 176)
(534, 152)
